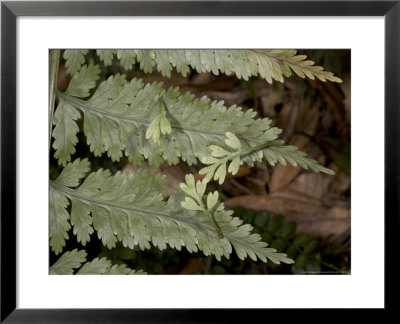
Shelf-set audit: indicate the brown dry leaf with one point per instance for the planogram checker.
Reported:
(311, 218)
(334, 97)
(340, 184)
(308, 117)
(271, 100)
(346, 88)
(314, 185)
(63, 78)
(283, 175)
(193, 266)
(240, 188)
(229, 97)
(222, 83)
(201, 78)
(259, 178)
(287, 117)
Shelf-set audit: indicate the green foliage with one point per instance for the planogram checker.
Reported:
(128, 207)
(72, 260)
(146, 121)
(279, 153)
(282, 237)
(269, 64)
(74, 59)
(273, 151)
(122, 116)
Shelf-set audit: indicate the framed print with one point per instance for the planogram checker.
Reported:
(256, 141)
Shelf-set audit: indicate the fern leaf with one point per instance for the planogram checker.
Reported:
(269, 64)
(163, 62)
(122, 116)
(74, 259)
(59, 225)
(106, 56)
(127, 58)
(73, 173)
(83, 81)
(65, 131)
(280, 153)
(146, 59)
(121, 269)
(283, 61)
(97, 266)
(129, 207)
(273, 150)
(74, 60)
(69, 261)
(65, 116)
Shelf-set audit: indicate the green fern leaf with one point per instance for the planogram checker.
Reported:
(283, 61)
(74, 259)
(280, 153)
(118, 115)
(97, 266)
(122, 116)
(121, 269)
(129, 207)
(73, 173)
(269, 64)
(146, 59)
(59, 225)
(69, 261)
(106, 56)
(179, 61)
(127, 58)
(65, 115)
(163, 62)
(65, 131)
(83, 81)
(273, 150)
(74, 60)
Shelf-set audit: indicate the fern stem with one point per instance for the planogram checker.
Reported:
(255, 148)
(214, 222)
(53, 76)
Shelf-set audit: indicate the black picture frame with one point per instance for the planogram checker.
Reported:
(11, 10)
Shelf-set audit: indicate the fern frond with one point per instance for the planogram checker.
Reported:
(74, 60)
(74, 259)
(121, 116)
(269, 64)
(283, 62)
(128, 207)
(273, 151)
(279, 153)
(65, 116)
(106, 56)
(69, 261)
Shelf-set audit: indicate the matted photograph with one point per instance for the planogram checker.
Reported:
(199, 161)
(187, 161)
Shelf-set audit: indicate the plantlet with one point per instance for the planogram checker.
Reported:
(123, 117)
